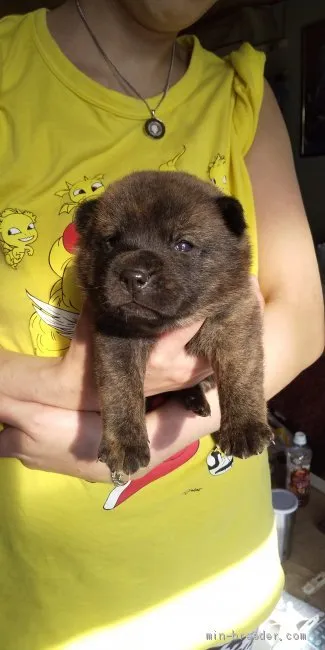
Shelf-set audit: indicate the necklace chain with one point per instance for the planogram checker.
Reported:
(118, 73)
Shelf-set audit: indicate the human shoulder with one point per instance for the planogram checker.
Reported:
(15, 34)
(245, 61)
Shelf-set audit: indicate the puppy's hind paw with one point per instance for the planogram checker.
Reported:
(194, 400)
(103, 453)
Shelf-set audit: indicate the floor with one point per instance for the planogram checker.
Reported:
(308, 553)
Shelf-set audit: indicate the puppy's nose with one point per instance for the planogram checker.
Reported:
(135, 278)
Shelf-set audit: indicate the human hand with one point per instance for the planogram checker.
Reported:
(169, 368)
(51, 439)
(66, 442)
(256, 288)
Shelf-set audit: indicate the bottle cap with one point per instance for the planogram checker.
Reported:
(300, 439)
(284, 501)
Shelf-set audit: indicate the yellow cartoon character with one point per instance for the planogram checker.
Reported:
(53, 322)
(17, 233)
(170, 165)
(217, 173)
(81, 191)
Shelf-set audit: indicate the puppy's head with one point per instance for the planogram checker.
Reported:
(158, 248)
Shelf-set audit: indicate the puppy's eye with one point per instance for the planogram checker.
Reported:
(111, 240)
(183, 246)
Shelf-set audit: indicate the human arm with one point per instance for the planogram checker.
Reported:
(68, 382)
(66, 441)
(288, 271)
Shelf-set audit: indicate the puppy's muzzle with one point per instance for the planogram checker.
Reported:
(137, 271)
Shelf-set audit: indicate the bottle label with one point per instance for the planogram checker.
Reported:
(300, 481)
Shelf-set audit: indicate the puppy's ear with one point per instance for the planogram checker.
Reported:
(232, 213)
(85, 215)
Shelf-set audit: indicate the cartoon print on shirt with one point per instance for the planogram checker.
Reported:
(81, 191)
(216, 171)
(170, 165)
(17, 234)
(121, 493)
(218, 463)
(53, 322)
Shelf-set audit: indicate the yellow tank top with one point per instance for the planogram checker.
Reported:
(188, 555)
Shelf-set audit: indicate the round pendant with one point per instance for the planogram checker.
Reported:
(155, 128)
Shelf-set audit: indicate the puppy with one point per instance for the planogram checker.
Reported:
(159, 250)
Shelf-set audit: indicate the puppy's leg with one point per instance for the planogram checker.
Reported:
(194, 398)
(236, 355)
(119, 370)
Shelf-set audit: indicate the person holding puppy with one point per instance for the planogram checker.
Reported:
(185, 554)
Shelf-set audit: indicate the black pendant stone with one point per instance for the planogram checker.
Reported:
(155, 128)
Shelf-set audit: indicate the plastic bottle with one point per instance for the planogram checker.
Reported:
(298, 468)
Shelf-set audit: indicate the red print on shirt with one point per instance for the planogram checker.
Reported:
(124, 492)
(70, 238)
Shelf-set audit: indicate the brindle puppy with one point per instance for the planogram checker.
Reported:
(156, 251)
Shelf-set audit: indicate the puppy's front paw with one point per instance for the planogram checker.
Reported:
(245, 439)
(136, 455)
(126, 458)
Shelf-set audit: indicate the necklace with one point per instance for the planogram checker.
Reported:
(153, 127)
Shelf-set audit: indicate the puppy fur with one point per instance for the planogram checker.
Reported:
(159, 250)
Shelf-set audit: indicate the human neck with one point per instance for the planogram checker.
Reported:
(141, 56)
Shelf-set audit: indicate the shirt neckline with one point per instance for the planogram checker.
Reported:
(111, 100)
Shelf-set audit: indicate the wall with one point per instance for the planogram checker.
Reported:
(22, 6)
(311, 171)
(231, 22)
